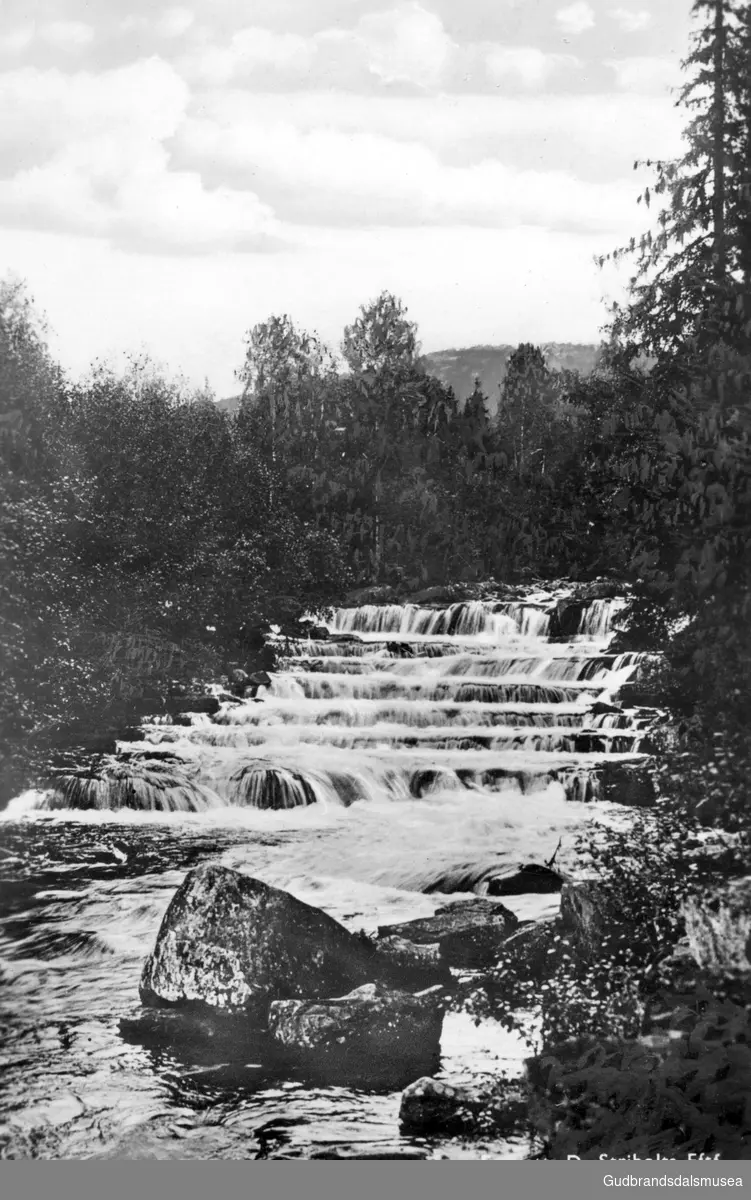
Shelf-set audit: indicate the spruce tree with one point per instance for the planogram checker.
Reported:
(689, 291)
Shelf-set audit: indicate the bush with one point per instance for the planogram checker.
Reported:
(668, 1095)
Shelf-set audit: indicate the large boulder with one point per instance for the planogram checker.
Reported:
(469, 933)
(231, 942)
(372, 1030)
(431, 1106)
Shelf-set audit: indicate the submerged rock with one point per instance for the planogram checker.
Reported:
(147, 785)
(469, 933)
(532, 878)
(370, 1029)
(425, 780)
(259, 785)
(202, 1035)
(231, 942)
(432, 1106)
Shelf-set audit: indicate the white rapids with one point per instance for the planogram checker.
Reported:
(423, 738)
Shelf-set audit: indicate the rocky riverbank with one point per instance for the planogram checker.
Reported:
(244, 964)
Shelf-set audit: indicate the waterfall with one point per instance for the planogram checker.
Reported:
(400, 703)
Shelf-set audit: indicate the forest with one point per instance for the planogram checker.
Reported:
(148, 535)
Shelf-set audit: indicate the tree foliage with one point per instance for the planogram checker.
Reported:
(690, 287)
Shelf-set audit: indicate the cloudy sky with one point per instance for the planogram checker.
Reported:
(170, 175)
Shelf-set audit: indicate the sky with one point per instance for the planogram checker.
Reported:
(171, 175)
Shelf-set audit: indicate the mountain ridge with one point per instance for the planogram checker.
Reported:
(457, 367)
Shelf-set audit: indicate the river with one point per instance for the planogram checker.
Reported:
(414, 752)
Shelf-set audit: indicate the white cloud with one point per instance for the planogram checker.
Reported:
(67, 35)
(646, 74)
(406, 45)
(630, 20)
(147, 99)
(17, 40)
(576, 18)
(132, 199)
(63, 35)
(251, 50)
(174, 22)
(527, 64)
(601, 133)
(327, 177)
(103, 169)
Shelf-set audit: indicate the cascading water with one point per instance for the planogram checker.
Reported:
(407, 756)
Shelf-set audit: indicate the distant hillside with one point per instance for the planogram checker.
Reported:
(229, 403)
(458, 368)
